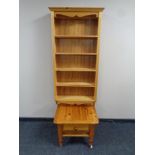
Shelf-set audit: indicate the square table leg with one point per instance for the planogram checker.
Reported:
(60, 138)
(91, 135)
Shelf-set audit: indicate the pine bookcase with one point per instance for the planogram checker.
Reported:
(75, 47)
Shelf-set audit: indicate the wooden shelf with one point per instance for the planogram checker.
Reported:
(75, 99)
(77, 69)
(73, 36)
(60, 53)
(75, 84)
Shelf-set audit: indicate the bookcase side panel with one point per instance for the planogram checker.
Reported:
(53, 53)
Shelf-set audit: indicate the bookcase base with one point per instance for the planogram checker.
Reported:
(76, 121)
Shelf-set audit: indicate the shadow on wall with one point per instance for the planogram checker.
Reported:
(42, 61)
(42, 34)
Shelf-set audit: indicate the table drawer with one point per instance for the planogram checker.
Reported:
(77, 127)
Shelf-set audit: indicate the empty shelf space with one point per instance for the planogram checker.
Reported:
(76, 36)
(76, 27)
(76, 69)
(75, 94)
(75, 99)
(70, 26)
(82, 77)
(65, 53)
(75, 84)
(76, 45)
(78, 61)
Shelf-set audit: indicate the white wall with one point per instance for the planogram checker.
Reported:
(116, 72)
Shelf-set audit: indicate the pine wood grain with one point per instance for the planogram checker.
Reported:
(72, 99)
(59, 53)
(75, 114)
(75, 84)
(69, 76)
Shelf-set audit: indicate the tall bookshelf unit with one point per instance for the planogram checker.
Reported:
(75, 48)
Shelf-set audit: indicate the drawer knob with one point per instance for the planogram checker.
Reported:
(75, 129)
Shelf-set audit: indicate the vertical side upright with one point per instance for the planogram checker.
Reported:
(53, 52)
(97, 55)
